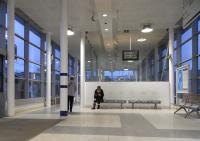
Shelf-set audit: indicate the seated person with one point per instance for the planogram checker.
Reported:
(98, 97)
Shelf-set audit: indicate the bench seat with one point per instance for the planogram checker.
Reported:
(155, 102)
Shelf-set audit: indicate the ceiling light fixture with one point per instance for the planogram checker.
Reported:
(141, 39)
(147, 29)
(89, 61)
(70, 32)
(125, 69)
(105, 15)
(106, 29)
(130, 61)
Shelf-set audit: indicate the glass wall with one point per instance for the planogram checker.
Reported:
(163, 63)
(19, 58)
(120, 75)
(151, 66)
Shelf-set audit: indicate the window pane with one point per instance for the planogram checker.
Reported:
(45, 59)
(163, 52)
(186, 35)
(57, 89)
(34, 71)
(107, 75)
(19, 68)
(34, 54)
(19, 89)
(19, 28)
(199, 44)
(175, 60)
(34, 89)
(57, 64)
(199, 25)
(57, 75)
(34, 38)
(57, 53)
(198, 66)
(186, 51)
(19, 47)
(188, 63)
(175, 44)
(1, 73)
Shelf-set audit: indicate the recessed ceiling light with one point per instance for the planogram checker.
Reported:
(141, 39)
(105, 15)
(88, 61)
(106, 29)
(147, 29)
(125, 69)
(70, 32)
(130, 61)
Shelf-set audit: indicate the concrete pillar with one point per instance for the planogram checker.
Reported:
(63, 59)
(171, 64)
(48, 77)
(82, 67)
(11, 57)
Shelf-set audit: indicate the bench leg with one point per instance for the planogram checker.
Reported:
(181, 107)
(132, 105)
(155, 106)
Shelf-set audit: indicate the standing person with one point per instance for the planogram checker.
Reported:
(98, 97)
(71, 93)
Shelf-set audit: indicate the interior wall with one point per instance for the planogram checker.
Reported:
(129, 91)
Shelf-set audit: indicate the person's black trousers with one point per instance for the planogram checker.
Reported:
(70, 103)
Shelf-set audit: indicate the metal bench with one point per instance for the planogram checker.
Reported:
(155, 102)
(190, 103)
(121, 102)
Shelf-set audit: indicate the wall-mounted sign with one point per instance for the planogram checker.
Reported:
(130, 55)
(182, 79)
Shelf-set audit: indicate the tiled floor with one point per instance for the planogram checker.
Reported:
(115, 125)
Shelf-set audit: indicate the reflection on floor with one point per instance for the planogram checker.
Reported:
(101, 125)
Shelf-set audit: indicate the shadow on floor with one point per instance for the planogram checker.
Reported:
(23, 129)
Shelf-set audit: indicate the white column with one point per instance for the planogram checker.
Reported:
(171, 64)
(48, 58)
(63, 60)
(82, 67)
(11, 57)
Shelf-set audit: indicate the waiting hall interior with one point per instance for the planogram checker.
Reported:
(99, 70)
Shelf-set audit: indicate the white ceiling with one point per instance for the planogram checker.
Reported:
(126, 14)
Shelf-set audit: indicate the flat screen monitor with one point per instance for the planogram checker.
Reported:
(130, 55)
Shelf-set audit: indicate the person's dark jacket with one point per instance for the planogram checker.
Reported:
(99, 95)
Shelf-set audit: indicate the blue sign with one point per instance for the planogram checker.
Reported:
(180, 80)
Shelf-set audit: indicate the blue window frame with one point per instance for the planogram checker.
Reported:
(199, 25)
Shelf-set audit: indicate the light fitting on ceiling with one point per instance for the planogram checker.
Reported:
(141, 40)
(125, 69)
(130, 61)
(105, 15)
(147, 29)
(106, 29)
(89, 61)
(70, 32)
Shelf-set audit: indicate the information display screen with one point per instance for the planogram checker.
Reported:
(130, 55)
